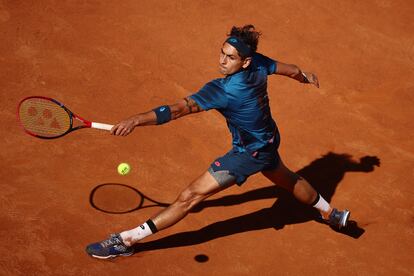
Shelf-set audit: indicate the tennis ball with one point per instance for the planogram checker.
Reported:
(124, 168)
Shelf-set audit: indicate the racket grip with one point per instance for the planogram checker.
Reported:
(101, 126)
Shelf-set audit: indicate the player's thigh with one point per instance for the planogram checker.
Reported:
(203, 187)
(282, 176)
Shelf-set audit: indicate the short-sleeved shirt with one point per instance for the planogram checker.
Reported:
(242, 99)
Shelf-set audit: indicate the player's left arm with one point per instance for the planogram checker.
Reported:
(294, 72)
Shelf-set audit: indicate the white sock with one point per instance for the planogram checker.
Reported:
(321, 204)
(130, 237)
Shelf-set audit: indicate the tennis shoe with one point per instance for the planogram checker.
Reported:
(109, 248)
(338, 219)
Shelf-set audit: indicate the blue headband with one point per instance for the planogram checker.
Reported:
(240, 46)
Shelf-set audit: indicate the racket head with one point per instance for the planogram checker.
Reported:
(44, 117)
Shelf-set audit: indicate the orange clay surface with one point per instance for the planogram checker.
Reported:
(107, 60)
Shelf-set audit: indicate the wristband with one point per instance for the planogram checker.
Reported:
(163, 114)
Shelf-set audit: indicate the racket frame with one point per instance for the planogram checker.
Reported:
(86, 123)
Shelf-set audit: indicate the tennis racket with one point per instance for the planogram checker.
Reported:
(47, 118)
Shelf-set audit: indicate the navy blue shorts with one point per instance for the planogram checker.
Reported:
(241, 165)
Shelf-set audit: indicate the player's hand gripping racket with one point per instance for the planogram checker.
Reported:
(47, 118)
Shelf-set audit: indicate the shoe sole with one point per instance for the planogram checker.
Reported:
(344, 219)
(111, 256)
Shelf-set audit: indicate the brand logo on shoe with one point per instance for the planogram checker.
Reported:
(217, 163)
(162, 109)
(142, 227)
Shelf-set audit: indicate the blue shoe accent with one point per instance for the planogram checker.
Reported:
(339, 219)
(110, 248)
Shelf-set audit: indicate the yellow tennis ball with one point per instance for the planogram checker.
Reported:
(124, 168)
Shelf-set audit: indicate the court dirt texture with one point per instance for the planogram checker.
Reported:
(106, 60)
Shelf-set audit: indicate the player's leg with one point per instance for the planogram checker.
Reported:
(120, 244)
(202, 188)
(293, 183)
(305, 193)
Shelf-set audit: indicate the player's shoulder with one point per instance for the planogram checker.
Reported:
(261, 61)
(218, 83)
(215, 85)
(258, 55)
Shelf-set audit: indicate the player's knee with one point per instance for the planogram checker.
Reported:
(188, 199)
(289, 180)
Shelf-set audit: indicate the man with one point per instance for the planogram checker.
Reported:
(241, 97)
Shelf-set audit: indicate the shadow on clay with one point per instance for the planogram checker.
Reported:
(324, 174)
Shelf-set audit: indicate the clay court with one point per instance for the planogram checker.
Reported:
(352, 138)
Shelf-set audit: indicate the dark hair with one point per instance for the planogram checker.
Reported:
(248, 35)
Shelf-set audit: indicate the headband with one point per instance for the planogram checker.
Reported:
(240, 46)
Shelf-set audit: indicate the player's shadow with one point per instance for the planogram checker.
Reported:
(324, 174)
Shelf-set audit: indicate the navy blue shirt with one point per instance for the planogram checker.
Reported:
(242, 99)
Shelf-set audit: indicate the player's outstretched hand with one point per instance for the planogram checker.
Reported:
(123, 128)
(312, 78)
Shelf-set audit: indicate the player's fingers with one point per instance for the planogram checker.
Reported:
(125, 131)
(119, 131)
(114, 129)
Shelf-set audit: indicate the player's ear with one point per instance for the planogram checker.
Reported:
(246, 62)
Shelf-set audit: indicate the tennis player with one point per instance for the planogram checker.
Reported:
(242, 98)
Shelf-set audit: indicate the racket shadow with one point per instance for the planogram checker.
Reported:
(324, 174)
(117, 198)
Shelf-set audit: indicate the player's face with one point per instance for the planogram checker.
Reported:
(230, 61)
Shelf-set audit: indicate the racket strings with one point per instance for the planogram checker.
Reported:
(44, 117)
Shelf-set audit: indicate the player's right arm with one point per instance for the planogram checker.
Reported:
(184, 107)
(181, 108)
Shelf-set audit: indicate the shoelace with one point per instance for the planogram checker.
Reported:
(112, 241)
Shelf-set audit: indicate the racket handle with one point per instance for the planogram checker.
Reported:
(101, 126)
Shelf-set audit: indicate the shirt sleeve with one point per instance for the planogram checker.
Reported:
(263, 61)
(211, 96)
